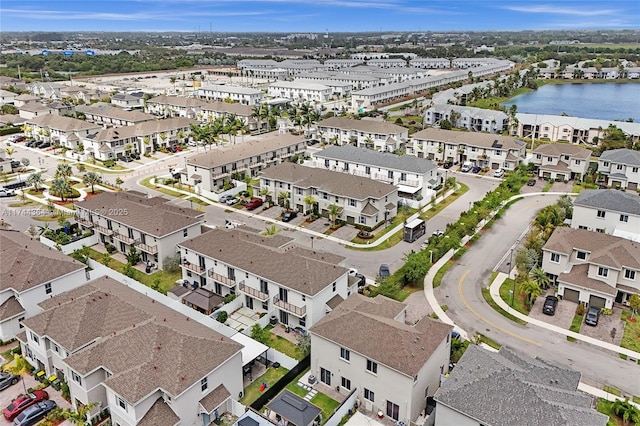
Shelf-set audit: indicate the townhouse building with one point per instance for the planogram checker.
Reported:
(150, 365)
(592, 267)
(222, 93)
(371, 97)
(365, 344)
(66, 131)
(482, 149)
(211, 170)
(621, 168)
(31, 272)
(511, 381)
(131, 220)
(300, 91)
(336, 64)
(360, 200)
(387, 63)
(607, 210)
(46, 90)
(561, 161)
(557, 128)
(430, 63)
(20, 100)
(339, 88)
(294, 284)
(414, 177)
(128, 100)
(377, 135)
(81, 93)
(470, 118)
(34, 109)
(7, 97)
(357, 81)
(107, 115)
(465, 63)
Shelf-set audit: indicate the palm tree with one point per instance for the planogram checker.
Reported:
(91, 178)
(80, 417)
(163, 137)
(626, 411)
(539, 276)
(181, 135)
(309, 201)
(59, 187)
(334, 212)
(282, 196)
(173, 81)
(265, 192)
(145, 142)
(64, 171)
(256, 112)
(9, 151)
(531, 290)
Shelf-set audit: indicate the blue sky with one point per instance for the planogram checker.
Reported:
(316, 15)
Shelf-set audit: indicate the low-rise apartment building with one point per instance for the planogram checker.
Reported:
(365, 344)
(387, 63)
(470, 118)
(592, 267)
(294, 284)
(430, 63)
(300, 91)
(211, 170)
(377, 135)
(414, 177)
(609, 211)
(66, 131)
(482, 149)
(130, 220)
(360, 200)
(107, 115)
(222, 93)
(128, 100)
(146, 363)
(561, 161)
(621, 168)
(31, 272)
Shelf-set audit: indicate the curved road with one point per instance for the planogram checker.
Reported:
(461, 292)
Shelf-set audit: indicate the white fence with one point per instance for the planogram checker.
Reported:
(284, 360)
(71, 247)
(347, 407)
(236, 408)
(229, 308)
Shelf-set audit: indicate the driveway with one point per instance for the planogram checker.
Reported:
(562, 186)
(604, 330)
(563, 317)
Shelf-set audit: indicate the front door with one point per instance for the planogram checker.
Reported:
(325, 376)
(248, 301)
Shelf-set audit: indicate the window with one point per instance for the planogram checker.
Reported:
(372, 366)
(362, 220)
(605, 164)
(204, 384)
(581, 255)
(352, 202)
(367, 170)
(325, 376)
(303, 322)
(345, 354)
(603, 272)
(629, 274)
(600, 230)
(47, 288)
(326, 163)
(20, 322)
(346, 383)
(555, 257)
(577, 162)
(369, 395)
(56, 348)
(35, 338)
(76, 378)
(185, 232)
(393, 410)
(601, 213)
(619, 167)
(122, 403)
(334, 287)
(635, 170)
(624, 218)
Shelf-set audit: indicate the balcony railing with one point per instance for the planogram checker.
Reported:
(124, 238)
(193, 267)
(228, 282)
(147, 248)
(383, 178)
(253, 292)
(295, 310)
(103, 230)
(84, 222)
(413, 183)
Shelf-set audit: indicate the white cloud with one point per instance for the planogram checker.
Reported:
(555, 10)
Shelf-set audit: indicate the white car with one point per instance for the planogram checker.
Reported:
(6, 192)
(498, 173)
(192, 143)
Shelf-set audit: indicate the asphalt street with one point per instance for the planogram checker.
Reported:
(461, 292)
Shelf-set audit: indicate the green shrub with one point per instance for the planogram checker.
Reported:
(230, 298)
(222, 317)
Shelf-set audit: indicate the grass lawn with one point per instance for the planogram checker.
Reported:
(437, 279)
(147, 182)
(252, 392)
(487, 297)
(167, 279)
(293, 386)
(326, 404)
(28, 203)
(518, 298)
(548, 186)
(491, 102)
(605, 407)
(283, 345)
(575, 326)
(631, 336)
(611, 390)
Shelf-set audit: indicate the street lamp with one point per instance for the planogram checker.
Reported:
(431, 257)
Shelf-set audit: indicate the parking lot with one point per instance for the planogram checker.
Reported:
(565, 312)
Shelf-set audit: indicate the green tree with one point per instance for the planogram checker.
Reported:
(334, 211)
(309, 201)
(260, 334)
(282, 196)
(35, 180)
(634, 304)
(60, 187)
(19, 367)
(79, 417)
(91, 179)
(9, 151)
(531, 290)
(119, 181)
(133, 256)
(626, 411)
(64, 171)
(539, 276)
(303, 345)
(105, 259)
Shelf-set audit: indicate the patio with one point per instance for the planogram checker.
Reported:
(242, 319)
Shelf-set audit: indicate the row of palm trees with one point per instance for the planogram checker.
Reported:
(213, 132)
(60, 185)
(300, 116)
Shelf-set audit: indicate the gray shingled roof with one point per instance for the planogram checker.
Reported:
(506, 389)
(557, 149)
(364, 156)
(10, 308)
(365, 326)
(215, 398)
(27, 263)
(370, 126)
(609, 199)
(160, 414)
(578, 276)
(288, 268)
(296, 410)
(483, 140)
(623, 156)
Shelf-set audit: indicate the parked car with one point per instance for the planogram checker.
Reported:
(466, 166)
(448, 164)
(35, 413)
(22, 402)
(19, 139)
(38, 144)
(7, 379)
(254, 203)
(15, 164)
(384, 271)
(531, 182)
(232, 201)
(192, 143)
(135, 156)
(127, 159)
(224, 197)
(550, 304)
(4, 192)
(45, 145)
(32, 143)
(498, 173)
(592, 317)
(288, 215)
(476, 169)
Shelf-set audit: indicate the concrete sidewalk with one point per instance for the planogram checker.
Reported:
(494, 290)
(599, 393)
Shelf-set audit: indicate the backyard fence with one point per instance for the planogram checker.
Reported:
(275, 389)
(346, 408)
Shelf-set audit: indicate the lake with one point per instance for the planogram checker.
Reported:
(606, 101)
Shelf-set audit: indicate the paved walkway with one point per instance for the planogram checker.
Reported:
(583, 387)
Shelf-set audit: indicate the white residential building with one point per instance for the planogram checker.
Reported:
(387, 63)
(109, 116)
(592, 267)
(30, 273)
(609, 211)
(430, 63)
(300, 91)
(222, 93)
(128, 100)
(470, 118)
(377, 135)
(561, 161)
(59, 129)
(336, 64)
(621, 168)
(365, 345)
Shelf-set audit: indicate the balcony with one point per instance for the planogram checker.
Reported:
(413, 183)
(103, 230)
(193, 267)
(295, 310)
(227, 282)
(124, 238)
(147, 248)
(257, 294)
(383, 178)
(84, 222)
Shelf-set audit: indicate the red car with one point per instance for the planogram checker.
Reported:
(19, 404)
(254, 203)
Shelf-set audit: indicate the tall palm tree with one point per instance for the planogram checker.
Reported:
(334, 212)
(35, 180)
(531, 290)
(309, 201)
(145, 143)
(282, 196)
(9, 151)
(64, 171)
(91, 178)
(265, 193)
(539, 276)
(181, 135)
(256, 112)
(19, 367)
(59, 187)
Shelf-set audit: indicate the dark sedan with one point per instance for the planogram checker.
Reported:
(550, 304)
(8, 379)
(35, 413)
(287, 216)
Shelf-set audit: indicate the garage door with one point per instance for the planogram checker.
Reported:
(571, 295)
(632, 186)
(596, 302)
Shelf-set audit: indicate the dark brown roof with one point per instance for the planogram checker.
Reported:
(358, 325)
(287, 268)
(160, 414)
(369, 126)
(154, 216)
(10, 308)
(27, 263)
(578, 277)
(215, 398)
(179, 290)
(203, 298)
(335, 300)
(143, 343)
